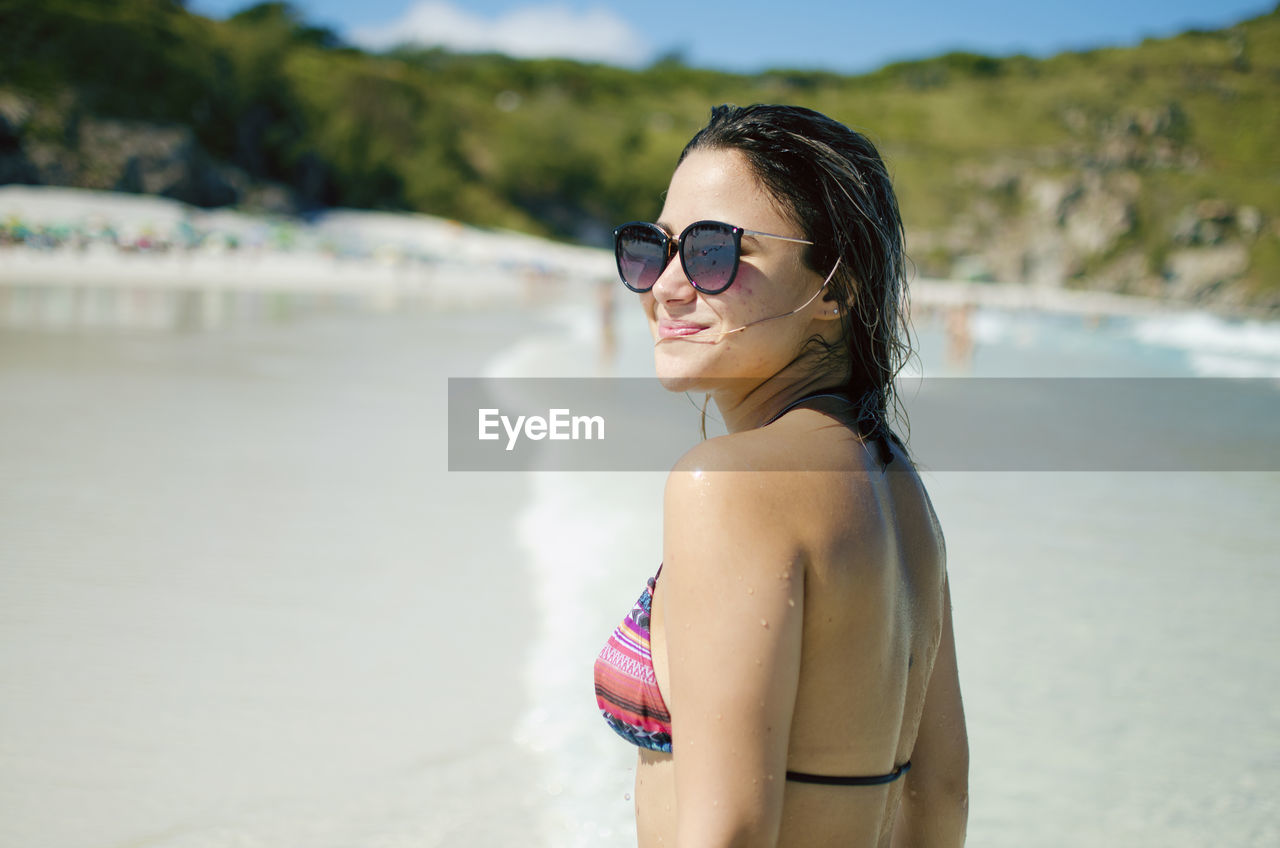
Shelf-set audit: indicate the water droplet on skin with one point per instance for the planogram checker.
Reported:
(719, 716)
(769, 776)
(750, 590)
(764, 624)
(791, 602)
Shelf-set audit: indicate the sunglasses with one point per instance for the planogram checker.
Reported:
(709, 253)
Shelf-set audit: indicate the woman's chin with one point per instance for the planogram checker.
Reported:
(691, 374)
(680, 384)
(679, 368)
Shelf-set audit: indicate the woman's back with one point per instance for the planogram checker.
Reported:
(865, 539)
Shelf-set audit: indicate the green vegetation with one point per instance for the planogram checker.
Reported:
(568, 149)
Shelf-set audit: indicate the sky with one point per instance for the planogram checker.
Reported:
(750, 36)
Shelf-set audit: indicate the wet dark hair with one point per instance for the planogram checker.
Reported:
(833, 184)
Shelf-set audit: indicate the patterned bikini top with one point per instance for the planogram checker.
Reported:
(628, 695)
(626, 684)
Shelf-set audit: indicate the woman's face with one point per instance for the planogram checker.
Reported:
(772, 280)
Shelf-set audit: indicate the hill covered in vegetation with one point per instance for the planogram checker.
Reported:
(1152, 169)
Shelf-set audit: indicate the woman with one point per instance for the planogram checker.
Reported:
(789, 675)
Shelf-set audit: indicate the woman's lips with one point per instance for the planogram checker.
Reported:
(674, 329)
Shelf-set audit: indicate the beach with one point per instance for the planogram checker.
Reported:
(245, 602)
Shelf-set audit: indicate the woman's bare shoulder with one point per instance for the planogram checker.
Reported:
(814, 445)
(752, 450)
(729, 476)
(732, 491)
(789, 471)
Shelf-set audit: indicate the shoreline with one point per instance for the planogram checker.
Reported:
(114, 240)
(451, 284)
(450, 281)
(460, 285)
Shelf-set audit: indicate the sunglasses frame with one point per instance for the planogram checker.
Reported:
(674, 246)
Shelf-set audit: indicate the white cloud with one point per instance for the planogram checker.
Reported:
(596, 34)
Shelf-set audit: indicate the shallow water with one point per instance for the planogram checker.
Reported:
(242, 602)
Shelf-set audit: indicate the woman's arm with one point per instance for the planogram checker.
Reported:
(935, 800)
(732, 593)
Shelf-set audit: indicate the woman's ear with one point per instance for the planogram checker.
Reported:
(829, 307)
(830, 311)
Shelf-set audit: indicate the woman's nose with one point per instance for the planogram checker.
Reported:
(672, 285)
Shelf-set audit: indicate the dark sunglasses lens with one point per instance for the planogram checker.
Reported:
(710, 255)
(642, 254)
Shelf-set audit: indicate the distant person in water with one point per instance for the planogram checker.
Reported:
(608, 332)
(789, 674)
(960, 335)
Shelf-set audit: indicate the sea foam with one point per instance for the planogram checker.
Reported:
(1214, 346)
(590, 541)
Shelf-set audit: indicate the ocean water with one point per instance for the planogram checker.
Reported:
(243, 602)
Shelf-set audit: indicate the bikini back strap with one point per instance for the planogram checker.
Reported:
(836, 780)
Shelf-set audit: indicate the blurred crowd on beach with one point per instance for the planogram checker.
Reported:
(144, 238)
(48, 221)
(211, 233)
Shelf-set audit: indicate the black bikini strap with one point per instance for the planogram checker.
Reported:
(835, 780)
(796, 403)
